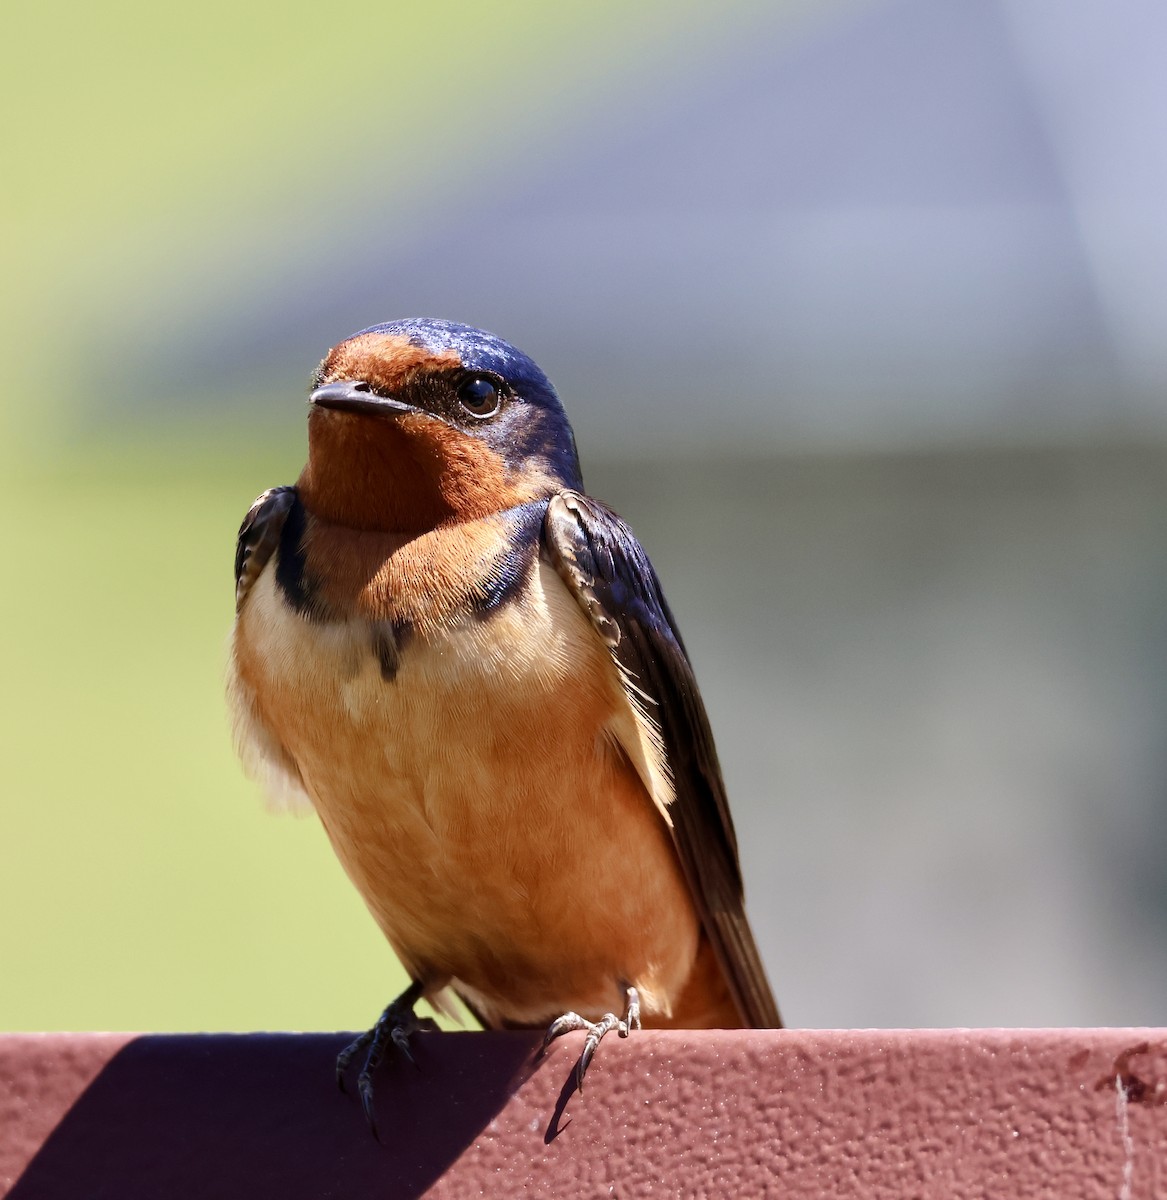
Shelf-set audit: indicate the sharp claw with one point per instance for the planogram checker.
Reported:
(365, 1086)
(561, 1025)
(596, 1031)
(586, 1057)
(395, 1025)
(401, 1041)
(346, 1056)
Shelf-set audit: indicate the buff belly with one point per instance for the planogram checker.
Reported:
(484, 801)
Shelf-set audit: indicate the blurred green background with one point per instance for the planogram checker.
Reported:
(142, 886)
(856, 309)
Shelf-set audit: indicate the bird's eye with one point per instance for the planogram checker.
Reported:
(480, 396)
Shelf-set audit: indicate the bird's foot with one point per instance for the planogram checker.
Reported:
(395, 1027)
(596, 1030)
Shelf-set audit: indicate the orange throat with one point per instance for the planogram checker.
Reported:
(408, 473)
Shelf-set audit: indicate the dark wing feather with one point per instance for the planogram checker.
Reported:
(606, 568)
(258, 537)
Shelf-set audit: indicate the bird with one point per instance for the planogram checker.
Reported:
(466, 666)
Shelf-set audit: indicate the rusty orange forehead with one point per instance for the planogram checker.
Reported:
(385, 361)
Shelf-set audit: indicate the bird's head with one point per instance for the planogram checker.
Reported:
(420, 422)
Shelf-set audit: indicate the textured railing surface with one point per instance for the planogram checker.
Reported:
(793, 1114)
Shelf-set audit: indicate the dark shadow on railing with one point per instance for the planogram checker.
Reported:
(194, 1117)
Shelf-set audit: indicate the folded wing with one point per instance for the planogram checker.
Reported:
(606, 568)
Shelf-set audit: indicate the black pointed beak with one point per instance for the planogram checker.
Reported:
(356, 396)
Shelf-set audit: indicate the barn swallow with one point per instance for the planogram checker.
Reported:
(467, 667)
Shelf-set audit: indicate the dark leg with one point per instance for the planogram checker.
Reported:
(596, 1030)
(395, 1025)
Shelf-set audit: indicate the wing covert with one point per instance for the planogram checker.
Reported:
(258, 537)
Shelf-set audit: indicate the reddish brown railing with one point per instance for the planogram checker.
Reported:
(792, 1114)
